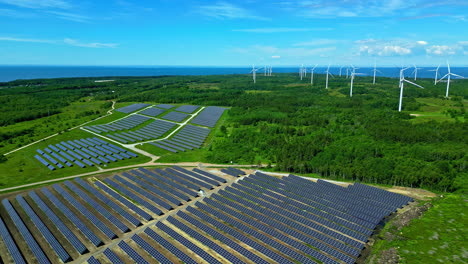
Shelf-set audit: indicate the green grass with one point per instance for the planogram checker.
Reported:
(72, 115)
(439, 236)
(435, 109)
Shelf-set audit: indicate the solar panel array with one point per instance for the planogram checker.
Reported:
(208, 116)
(125, 123)
(82, 152)
(151, 131)
(60, 223)
(175, 116)
(165, 106)
(257, 219)
(187, 108)
(233, 172)
(264, 219)
(152, 111)
(131, 108)
(188, 138)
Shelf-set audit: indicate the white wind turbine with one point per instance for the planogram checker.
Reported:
(301, 71)
(347, 73)
(375, 72)
(328, 73)
(270, 70)
(254, 73)
(341, 69)
(436, 74)
(415, 72)
(312, 75)
(402, 84)
(353, 75)
(448, 75)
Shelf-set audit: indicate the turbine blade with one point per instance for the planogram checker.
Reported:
(413, 83)
(457, 75)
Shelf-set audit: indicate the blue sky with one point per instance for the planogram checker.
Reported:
(233, 33)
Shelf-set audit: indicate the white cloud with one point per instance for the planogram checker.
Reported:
(280, 30)
(38, 4)
(422, 42)
(70, 16)
(225, 10)
(441, 50)
(317, 42)
(275, 57)
(76, 43)
(271, 51)
(66, 41)
(388, 48)
(26, 40)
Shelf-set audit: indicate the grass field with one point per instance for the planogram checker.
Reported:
(438, 236)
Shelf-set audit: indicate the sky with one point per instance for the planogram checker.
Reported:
(233, 33)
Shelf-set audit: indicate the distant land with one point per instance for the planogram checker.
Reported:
(11, 73)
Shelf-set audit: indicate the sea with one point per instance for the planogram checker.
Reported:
(11, 73)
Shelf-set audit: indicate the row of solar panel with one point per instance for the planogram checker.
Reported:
(188, 138)
(187, 108)
(175, 116)
(152, 111)
(233, 172)
(126, 123)
(208, 116)
(151, 131)
(94, 201)
(89, 151)
(131, 108)
(316, 203)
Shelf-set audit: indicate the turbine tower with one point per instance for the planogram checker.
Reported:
(312, 75)
(402, 84)
(375, 72)
(353, 75)
(436, 74)
(448, 75)
(341, 69)
(301, 71)
(415, 72)
(254, 73)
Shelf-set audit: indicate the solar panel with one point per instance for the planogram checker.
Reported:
(25, 233)
(151, 250)
(90, 216)
(132, 253)
(45, 232)
(112, 256)
(72, 217)
(10, 244)
(76, 243)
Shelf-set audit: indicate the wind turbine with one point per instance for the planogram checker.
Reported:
(353, 74)
(402, 84)
(415, 72)
(328, 73)
(341, 69)
(347, 73)
(436, 74)
(375, 72)
(312, 75)
(448, 75)
(254, 73)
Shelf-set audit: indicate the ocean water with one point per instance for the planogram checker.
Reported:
(10, 73)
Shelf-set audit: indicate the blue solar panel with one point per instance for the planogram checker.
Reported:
(170, 247)
(112, 257)
(151, 250)
(24, 232)
(132, 253)
(48, 236)
(108, 202)
(97, 207)
(91, 217)
(72, 217)
(76, 243)
(10, 244)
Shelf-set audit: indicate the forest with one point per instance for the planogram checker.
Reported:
(287, 124)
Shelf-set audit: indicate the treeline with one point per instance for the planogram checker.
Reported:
(298, 128)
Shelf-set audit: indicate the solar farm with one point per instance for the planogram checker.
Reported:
(159, 126)
(181, 215)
